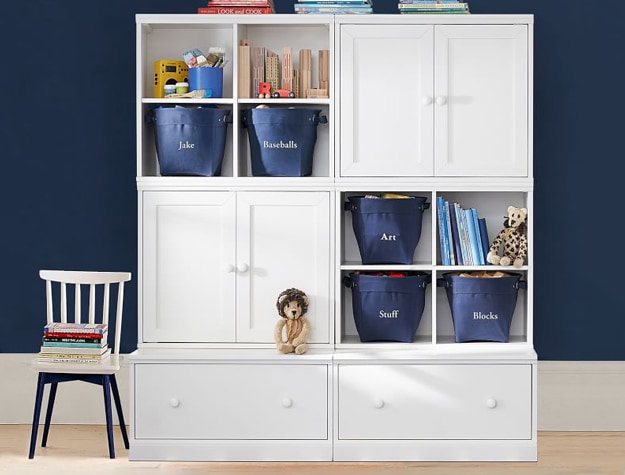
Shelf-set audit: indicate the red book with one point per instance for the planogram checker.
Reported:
(235, 10)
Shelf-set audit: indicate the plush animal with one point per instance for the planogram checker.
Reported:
(293, 329)
(513, 238)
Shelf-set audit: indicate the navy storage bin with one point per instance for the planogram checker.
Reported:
(482, 307)
(282, 141)
(387, 308)
(190, 141)
(387, 230)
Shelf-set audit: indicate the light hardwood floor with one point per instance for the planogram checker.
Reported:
(80, 449)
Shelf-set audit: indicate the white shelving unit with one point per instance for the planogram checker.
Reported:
(447, 112)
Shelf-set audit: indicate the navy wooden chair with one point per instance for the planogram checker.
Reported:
(102, 373)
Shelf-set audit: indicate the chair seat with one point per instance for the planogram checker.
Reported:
(108, 366)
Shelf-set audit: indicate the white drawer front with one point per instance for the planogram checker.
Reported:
(435, 401)
(231, 401)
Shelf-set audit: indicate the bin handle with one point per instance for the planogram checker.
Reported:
(348, 282)
(425, 205)
(442, 283)
(321, 119)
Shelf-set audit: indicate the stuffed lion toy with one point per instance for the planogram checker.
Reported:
(293, 329)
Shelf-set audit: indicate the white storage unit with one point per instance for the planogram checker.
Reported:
(447, 112)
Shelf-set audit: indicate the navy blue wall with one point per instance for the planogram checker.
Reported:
(68, 160)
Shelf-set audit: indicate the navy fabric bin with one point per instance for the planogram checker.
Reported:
(482, 307)
(387, 230)
(387, 308)
(190, 141)
(282, 141)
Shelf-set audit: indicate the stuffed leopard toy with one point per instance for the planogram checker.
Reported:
(513, 239)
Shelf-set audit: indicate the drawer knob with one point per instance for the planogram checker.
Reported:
(426, 100)
(243, 267)
(174, 402)
(287, 402)
(378, 403)
(441, 100)
(491, 403)
(229, 268)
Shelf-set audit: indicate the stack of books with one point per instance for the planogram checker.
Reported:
(232, 7)
(334, 7)
(463, 235)
(432, 6)
(74, 343)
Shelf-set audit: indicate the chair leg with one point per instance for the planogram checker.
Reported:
(120, 414)
(106, 386)
(46, 427)
(36, 414)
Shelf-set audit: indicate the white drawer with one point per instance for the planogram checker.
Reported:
(435, 401)
(231, 401)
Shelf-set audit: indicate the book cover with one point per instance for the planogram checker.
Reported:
(484, 237)
(58, 327)
(464, 236)
(455, 235)
(60, 336)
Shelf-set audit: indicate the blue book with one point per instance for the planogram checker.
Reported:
(455, 235)
(478, 238)
(440, 212)
(450, 236)
(484, 237)
(68, 344)
(464, 236)
(472, 238)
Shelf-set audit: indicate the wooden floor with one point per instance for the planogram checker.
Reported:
(83, 450)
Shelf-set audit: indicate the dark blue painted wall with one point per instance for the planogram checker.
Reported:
(67, 157)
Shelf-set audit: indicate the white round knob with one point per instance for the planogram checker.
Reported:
(174, 402)
(229, 268)
(242, 267)
(491, 403)
(426, 100)
(378, 403)
(287, 402)
(441, 100)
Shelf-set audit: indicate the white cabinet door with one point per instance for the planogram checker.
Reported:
(187, 280)
(444, 100)
(386, 84)
(283, 240)
(481, 100)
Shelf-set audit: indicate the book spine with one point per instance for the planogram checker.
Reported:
(454, 234)
(440, 211)
(450, 236)
(78, 337)
(484, 237)
(70, 360)
(69, 328)
(464, 236)
(71, 344)
(234, 10)
(476, 250)
(478, 237)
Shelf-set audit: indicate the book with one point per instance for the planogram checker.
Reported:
(55, 350)
(58, 327)
(66, 344)
(455, 235)
(60, 336)
(331, 8)
(476, 243)
(70, 359)
(450, 237)
(484, 237)
(433, 6)
(464, 236)
(235, 10)
(440, 214)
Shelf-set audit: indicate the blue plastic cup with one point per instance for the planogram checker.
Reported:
(209, 79)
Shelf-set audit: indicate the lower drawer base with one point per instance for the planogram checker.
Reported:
(231, 450)
(436, 451)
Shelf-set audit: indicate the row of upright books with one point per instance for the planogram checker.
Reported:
(232, 7)
(432, 6)
(338, 7)
(74, 343)
(463, 235)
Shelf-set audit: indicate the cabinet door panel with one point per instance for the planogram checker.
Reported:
(188, 243)
(283, 240)
(481, 107)
(435, 402)
(385, 107)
